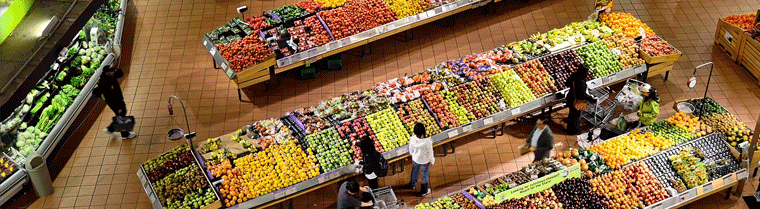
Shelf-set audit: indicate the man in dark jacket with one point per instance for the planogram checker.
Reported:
(109, 90)
(578, 92)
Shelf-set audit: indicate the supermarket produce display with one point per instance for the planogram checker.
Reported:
(45, 114)
(315, 145)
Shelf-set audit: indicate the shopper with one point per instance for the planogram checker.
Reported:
(373, 164)
(541, 140)
(109, 90)
(578, 93)
(649, 107)
(421, 150)
(346, 199)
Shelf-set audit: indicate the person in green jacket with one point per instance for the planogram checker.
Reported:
(649, 107)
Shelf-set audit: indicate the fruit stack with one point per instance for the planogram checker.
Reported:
(310, 33)
(690, 123)
(463, 116)
(658, 142)
(331, 3)
(309, 6)
(312, 122)
(368, 14)
(626, 23)
(245, 52)
(622, 149)
(690, 167)
(332, 151)
(180, 183)
(561, 66)
(599, 58)
(339, 22)
(536, 78)
(630, 187)
(8, 168)
(670, 132)
(354, 131)
(406, 8)
(263, 172)
(161, 166)
(388, 129)
(442, 203)
(541, 168)
(655, 46)
(744, 21)
(475, 66)
(704, 106)
(477, 99)
(591, 163)
(545, 199)
(627, 50)
(576, 193)
(198, 199)
(441, 111)
(512, 88)
(463, 201)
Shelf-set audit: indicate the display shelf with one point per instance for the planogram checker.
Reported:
(119, 29)
(13, 184)
(728, 38)
(217, 57)
(749, 55)
(67, 119)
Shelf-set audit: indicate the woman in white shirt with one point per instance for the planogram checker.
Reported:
(421, 150)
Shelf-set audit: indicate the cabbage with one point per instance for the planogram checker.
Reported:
(41, 135)
(82, 51)
(23, 125)
(3, 128)
(20, 143)
(29, 98)
(84, 45)
(26, 108)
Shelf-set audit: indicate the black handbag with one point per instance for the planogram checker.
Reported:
(123, 123)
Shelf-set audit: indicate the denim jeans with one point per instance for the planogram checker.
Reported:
(416, 170)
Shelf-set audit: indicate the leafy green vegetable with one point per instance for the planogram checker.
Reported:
(77, 61)
(61, 76)
(72, 52)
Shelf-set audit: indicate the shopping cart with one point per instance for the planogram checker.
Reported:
(630, 96)
(597, 114)
(384, 198)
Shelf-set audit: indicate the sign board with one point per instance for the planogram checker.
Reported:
(602, 7)
(540, 184)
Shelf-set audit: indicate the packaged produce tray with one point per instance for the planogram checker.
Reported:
(660, 59)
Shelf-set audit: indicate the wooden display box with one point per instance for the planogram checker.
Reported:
(255, 74)
(749, 55)
(660, 59)
(657, 69)
(729, 38)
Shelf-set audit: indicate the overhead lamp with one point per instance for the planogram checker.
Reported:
(49, 27)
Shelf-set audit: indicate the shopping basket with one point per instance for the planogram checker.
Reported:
(629, 96)
(384, 198)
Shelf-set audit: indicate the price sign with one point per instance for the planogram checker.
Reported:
(205, 43)
(296, 57)
(642, 33)
(707, 187)
(453, 133)
(334, 175)
(488, 121)
(718, 183)
(728, 179)
(291, 190)
(515, 111)
(323, 178)
(152, 198)
(685, 196)
(212, 51)
(312, 52)
(728, 37)
(227, 70)
(345, 41)
(742, 174)
(312, 59)
(512, 185)
(333, 45)
(389, 27)
(453, 6)
(438, 10)
(657, 206)
(371, 33)
(430, 13)
(279, 194)
(611, 77)
(283, 62)
(466, 128)
(387, 155)
(700, 190)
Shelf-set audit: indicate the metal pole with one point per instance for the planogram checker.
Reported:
(708, 78)
(190, 135)
(750, 154)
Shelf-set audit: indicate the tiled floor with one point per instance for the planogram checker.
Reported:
(167, 59)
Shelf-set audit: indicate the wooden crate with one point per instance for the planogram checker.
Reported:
(257, 70)
(656, 69)
(750, 56)
(729, 38)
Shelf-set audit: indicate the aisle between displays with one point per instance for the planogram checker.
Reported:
(37, 125)
(325, 134)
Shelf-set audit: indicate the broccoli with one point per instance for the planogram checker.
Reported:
(82, 35)
(72, 52)
(95, 64)
(77, 61)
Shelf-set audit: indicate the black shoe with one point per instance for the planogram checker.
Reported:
(409, 187)
(424, 191)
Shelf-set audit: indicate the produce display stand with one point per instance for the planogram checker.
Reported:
(400, 153)
(660, 64)
(749, 55)
(14, 183)
(729, 38)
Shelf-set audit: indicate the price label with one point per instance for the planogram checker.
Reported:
(334, 175)
(323, 178)
(512, 185)
(657, 206)
(515, 111)
(205, 43)
(371, 33)
(283, 62)
(728, 37)
(611, 77)
(642, 33)
(291, 190)
(683, 197)
(152, 198)
(345, 41)
(430, 13)
(742, 174)
(707, 187)
(453, 6)
(279, 194)
(700, 190)
(616, 52)
(228, 72)
(387, 155)
(312, 59)
(296, 57)
(212, 51)
(534, 176)
(312, 52)
(466, 128)
(453, 133)
(728, 179)
(438, 10)
(488, 121)
(390, 27)
(333, 45)
(718, 183)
